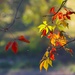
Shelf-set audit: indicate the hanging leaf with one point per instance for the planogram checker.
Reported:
(8, 45)
(49, 61)
(45, 65)
(22, 38)
(46, 53)
(15, 47)
(41, 65)
(52, 56)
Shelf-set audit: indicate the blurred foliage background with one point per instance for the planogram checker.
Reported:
(30, 15)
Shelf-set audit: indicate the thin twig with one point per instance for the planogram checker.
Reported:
(62, 5)
(66, 44)
(15, 15)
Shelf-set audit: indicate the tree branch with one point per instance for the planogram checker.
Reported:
(15, 15)
(62, 5)
(66, 44)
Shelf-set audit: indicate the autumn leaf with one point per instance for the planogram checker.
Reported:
(45, 63)
(49, 61)
(47, 53)
(43, 28)
(62, 42)
(14, 47)
(53, 38)
(52, 52)
(8, 45)
(52, 10)
(64, 23)
(52, 56)
(41, 65)
(22, 38)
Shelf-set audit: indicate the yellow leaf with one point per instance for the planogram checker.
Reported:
(45, 65)
(50, 28)
(49, 62)
(46, 30)
(45, 22)
(40, 26)
(41, 29)
(46, 53)
(41, 65)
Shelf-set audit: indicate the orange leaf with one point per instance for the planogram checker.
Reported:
(22, 38)
(60, 15)
(8, 45)
(14, 47)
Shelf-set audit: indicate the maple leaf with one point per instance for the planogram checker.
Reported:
(22, 38)
(8, 45)
(14, 47)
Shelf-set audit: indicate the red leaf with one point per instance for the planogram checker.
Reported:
(60, 15)
(14, 47)
(68, 17)
(44, 32)
(8, 45)
(53, 50)
(22, 38)
(49, 35)
(71, 51)
(52, 57)
(52, 10)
